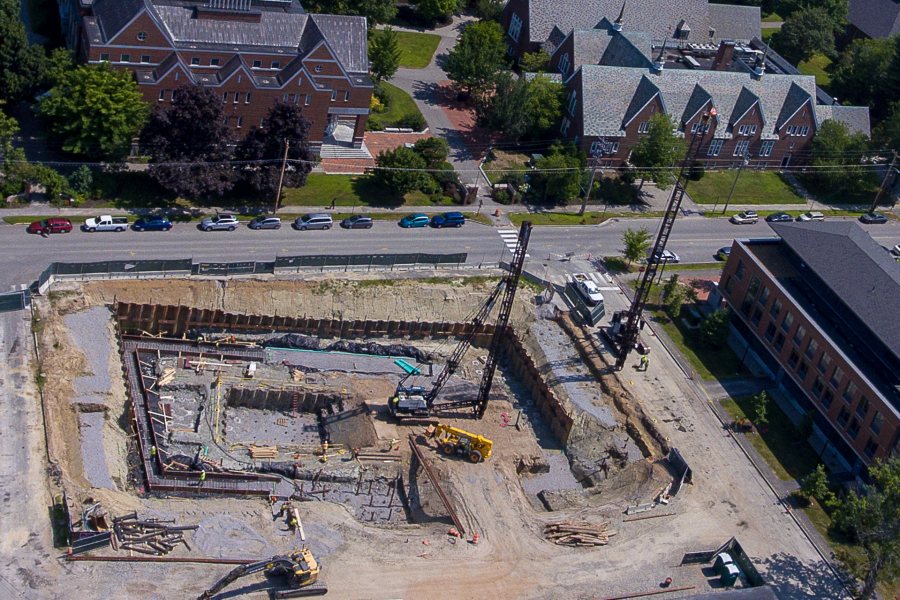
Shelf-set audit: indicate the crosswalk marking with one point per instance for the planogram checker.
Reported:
(601, 279)
(510, 237)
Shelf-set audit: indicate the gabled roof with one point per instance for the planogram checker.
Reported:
(348, 38)
(793, 102)
(605, 46)
(274, 30)
(645, 92)
(113, 15)
(699, 98)
(745, 101)
(876, 18)
(856, 118)
(855, 268)
(657, 17)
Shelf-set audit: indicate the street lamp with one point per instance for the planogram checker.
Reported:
(745, 160)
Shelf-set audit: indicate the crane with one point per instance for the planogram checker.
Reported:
(300, 566)
(417, 401)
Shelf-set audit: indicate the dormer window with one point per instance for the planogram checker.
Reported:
(318, 68)
(644, 127)
(142, 36)
(276, 64)
(257, 64)
(564, 63)
(747, 130)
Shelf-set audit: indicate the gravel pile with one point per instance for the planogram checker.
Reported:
(90, 333)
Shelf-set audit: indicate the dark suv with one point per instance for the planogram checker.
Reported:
(448, 219)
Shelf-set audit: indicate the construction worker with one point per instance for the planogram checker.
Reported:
(645, 362)
(202, 477)
(152, 451)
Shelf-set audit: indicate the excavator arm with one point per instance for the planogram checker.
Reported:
(243, 571)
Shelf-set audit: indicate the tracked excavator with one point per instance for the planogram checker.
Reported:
(300, 568)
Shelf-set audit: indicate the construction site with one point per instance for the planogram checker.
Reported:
(365, 438)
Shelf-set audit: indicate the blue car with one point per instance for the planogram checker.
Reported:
(414, 220)
(152, 223)
(448, 219)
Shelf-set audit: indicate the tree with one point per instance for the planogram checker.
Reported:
(636, 242)
(534, 62)
(434, 151)
(670, 285)
(835, 9)
(805, 33)
(96, 111)
(815, 485)
(58, 64)
(760, 404)
(189, 144)
(81, 180)
(505, 110)
(543, 104)
(375, 11)
(478, 56)
(436, 10)
(863, 75)
(409, 174)
(557, 178)
(489, 10)
(21, 64)
(657, 151)
(675, 299)
(714, 329)
(284, 123)
(841, 152)
(887, 134)
(872, 518)
(384, 54)
(9, 127)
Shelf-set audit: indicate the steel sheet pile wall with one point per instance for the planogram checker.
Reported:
(284, 401)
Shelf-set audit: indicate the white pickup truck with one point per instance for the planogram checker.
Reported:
(588, 289)
(105, 223)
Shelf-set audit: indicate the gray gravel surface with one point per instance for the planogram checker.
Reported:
(89, 330)
(93, 454)
(559, 477)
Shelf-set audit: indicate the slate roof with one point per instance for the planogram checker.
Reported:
(608, 47)
(348, 37)
(876, 18)
(274, 30)
(855, 268)
(733, 22)
(856, 118)
(657, 17)
(115, 14)
(607, 93)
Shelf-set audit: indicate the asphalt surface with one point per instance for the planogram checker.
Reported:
(694, 239)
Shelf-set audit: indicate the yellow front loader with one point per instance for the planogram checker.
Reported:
(457, 441)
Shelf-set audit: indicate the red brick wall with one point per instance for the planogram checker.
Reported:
(519, 7)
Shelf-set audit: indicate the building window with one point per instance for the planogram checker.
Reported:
(818, 387)
(757, 316)
(224, 96)
(837, 377)
(803, 370)
(729, 284)
(515, 27)
(740, 149)
(145, 58)
(776, 308)
(739, 272)
(853, 430)
(333, 95)
(299, 82)
(195, 60)
(766, 148)
(787, 322)
(850, 391)
(257, 64)
(862, 409)
(225, 121)
(563, 66)
(824, 363)
(695, 128)
(177, 75)
(308, 100)
(237, 97)
(644, 127)
(141, 36)
(564, 128)
(792, 130)
(793, 359)
(247, 98)
(715, 147)
(871, 448)
(240, 121)
(276, 64)
(770, 331)
(125, 58)
(779, 342)
(812, 348)
(214, 62)
(877, 422)
(318, 68)
(804, 131)
(162, 95)
(746, 129)
(827, 398)
(843, 417)
(799, 334)
(764, 297)
(104, 57)
(347, 96)
(572, 102)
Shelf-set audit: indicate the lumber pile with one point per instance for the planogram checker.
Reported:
(149, 536)
(263, 451)
(570, 533)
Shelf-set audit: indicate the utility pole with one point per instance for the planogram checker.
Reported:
(590, 189)
(884, 182)
(287, 145)
(745, 159)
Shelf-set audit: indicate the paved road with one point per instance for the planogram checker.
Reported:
(695, 239)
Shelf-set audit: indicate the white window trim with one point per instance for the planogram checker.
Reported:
(740, 149)
(644, 127)
(766, 148)
(715, 146)
(563, 66)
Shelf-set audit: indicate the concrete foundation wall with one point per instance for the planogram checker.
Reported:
(284, 401)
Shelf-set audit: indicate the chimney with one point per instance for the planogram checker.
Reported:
(724, 56)
(620, 20)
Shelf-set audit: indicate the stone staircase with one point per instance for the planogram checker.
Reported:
(330, 150)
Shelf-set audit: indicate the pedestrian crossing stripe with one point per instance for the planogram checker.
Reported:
(510, 237)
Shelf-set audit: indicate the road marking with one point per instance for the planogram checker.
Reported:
(510, 237)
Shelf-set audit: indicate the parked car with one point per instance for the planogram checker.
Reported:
(357, 222)
(220, 222)
(588, 289)
(152, 223)
(667, 257)
(811, 216)
(415, 220)
(265, 222)
(745, 218)
(52, 225)
(105, 223)
(895, 251)
(313, 221)
(779, 217)
(723, 253)
(448, 219)
(873, 218)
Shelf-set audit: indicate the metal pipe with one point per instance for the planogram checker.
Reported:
(162, 559)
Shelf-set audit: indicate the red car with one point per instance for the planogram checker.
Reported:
(50, 226)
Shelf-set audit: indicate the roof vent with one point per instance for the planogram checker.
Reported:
(242, 5)
(660, 63)
(620, 20)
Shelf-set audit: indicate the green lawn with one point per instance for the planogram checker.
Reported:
(398, 107)
(416, 49)
(573, 218)
(754, 187)
(500, 162)
(861, 194)
(778, 442)
(351, 190)
(768, 32)
(818, 67)
(709, 363)
(772, 18)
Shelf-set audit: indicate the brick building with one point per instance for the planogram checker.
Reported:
(815, 310)
(251, 52)
(616, 81)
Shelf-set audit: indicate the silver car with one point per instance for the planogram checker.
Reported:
(265, 222)
(221, 222)
(313, 221)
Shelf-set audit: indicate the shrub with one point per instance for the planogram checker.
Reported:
(502, 196)
(414, 121)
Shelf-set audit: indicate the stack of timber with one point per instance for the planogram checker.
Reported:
(149, 536)
(570, 533)
(263, 451)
